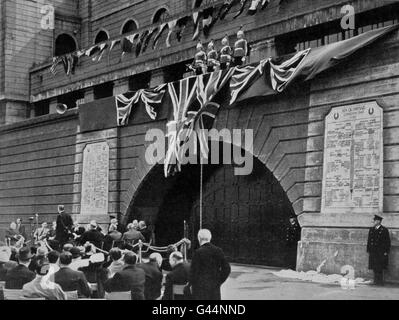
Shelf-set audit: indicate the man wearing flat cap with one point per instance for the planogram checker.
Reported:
(378, 247)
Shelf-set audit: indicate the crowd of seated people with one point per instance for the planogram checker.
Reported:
(53, 275)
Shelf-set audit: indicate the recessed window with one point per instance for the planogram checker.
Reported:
(160, 16)
(101, 37)
(129, 27)
(64, 44)
(104, 90)
(41, 108)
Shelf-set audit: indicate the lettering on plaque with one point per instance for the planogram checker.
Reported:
(95, 178)
(353, 160)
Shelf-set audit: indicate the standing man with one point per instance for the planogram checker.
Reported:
(378, 247)
(292, 237)
(64, 226)
(209, 269)
(21, 228)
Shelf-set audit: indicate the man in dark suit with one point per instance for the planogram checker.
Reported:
(209, 269)
(378, 247)
(21, 229)
(153, 276)
(64, 226)
(293, 235)
(71, 280)
(92, 235)
(147, 234)
(5, 263)
(20, 275)
(178, 276)
(131, 278)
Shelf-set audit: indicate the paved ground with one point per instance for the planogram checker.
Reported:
(255, 283)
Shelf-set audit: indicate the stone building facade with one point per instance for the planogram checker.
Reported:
(41, 151)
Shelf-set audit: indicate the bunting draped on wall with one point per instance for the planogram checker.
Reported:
(150, 97)
(241, 10)
(162, 28)
(225, 8)
(171, 26)
(196, 20)
(138, 43)
(181, 26)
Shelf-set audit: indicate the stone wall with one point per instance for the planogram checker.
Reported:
(372, 75)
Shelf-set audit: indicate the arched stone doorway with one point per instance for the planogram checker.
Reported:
(247, 215)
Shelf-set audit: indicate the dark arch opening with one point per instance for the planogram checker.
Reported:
(160, 16)
(101, 37)
(129, 27)
(64, 44)
(247, 215)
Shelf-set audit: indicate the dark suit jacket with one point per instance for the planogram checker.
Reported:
(378, 247)
(130, 278)
(93, 236)
(17, 277)
(179, 275)
(153, 280)
(64, 224)
(209, 269)
(71, 280)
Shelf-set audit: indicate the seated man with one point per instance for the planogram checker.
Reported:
(93, 235)
(71, 280)
(38, 258)
(117, 263)
(147, 234)
(130, 278)
(153, 277)
(5, 263)
(41, 286)
(132, 235)
(18, 276)
(53, 258)
(179, 276)
(77, 261)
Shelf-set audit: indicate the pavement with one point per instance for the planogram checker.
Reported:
(259, 283)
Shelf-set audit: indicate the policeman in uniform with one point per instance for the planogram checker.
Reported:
(293, 235)
(378, 247)
(200, 60)
(212, 57)
(225, 54)
(240, 49)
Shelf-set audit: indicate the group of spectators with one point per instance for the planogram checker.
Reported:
(82, 269)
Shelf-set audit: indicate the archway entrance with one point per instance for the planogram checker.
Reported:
(247, 215)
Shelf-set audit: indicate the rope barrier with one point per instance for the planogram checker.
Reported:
(201, 195)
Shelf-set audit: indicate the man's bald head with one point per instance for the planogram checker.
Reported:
(204, 236)
(156, 257)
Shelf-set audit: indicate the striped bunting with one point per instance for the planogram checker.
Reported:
(150, 98)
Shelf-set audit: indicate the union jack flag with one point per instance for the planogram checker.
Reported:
(192, 100)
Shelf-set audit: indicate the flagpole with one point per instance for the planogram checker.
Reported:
(201, 195)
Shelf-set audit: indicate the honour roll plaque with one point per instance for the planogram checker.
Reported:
(353, 160)
(95, 179)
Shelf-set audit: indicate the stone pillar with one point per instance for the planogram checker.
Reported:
(89, 95)
(157, 78)
(53, 105)
(13, 111)
(262, 50)
(121, 86)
